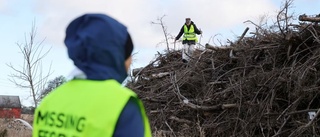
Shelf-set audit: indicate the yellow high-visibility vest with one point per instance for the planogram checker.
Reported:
(84, 108)
(189, 34)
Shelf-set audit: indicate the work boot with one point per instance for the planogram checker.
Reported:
(184, 61)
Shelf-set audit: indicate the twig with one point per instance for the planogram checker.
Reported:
(243, 34)
(285, 110)
(180, 120)
(301, 129)
(279, 131)
(170, 129)
(208, 108)
(301, 111)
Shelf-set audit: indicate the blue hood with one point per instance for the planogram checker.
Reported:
(96, 44)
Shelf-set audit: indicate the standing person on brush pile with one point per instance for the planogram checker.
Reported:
(189, 31)
(94, 103)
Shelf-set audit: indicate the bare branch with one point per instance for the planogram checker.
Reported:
(30, 76)
(164, 30)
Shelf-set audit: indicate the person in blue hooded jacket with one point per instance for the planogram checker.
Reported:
(94, 103)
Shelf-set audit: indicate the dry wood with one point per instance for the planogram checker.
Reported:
(243, 34)
(267, 90)
(310, 19)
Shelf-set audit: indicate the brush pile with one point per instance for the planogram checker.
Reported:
(264, 85)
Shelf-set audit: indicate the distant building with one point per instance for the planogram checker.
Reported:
(10, 107)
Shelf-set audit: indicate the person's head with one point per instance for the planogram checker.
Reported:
(100, 46)
(188, 21)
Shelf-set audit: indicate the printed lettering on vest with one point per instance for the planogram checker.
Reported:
(60, 121)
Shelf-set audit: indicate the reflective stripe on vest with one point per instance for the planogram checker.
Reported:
(84, 108)
(189, 34)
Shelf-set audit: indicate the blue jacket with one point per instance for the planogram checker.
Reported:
(96, 44)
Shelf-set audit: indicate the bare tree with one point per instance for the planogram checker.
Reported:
(31, 75)
(167, 35)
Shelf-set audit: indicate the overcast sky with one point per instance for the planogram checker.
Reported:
(223, 17)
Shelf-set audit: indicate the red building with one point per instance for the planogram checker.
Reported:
(10, 107)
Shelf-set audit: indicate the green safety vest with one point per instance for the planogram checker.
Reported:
(84, 108)
(189, 34)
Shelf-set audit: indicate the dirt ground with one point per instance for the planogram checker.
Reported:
(14, 128)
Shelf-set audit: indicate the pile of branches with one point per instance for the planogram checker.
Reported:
(264, 85)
